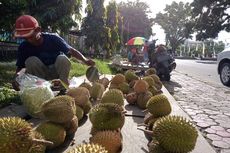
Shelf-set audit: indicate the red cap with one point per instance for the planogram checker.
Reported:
(25, 26)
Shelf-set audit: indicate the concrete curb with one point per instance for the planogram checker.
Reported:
(202, 146)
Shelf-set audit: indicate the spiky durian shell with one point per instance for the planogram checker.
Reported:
(141, 86)
(15, 135)
(130, 76)
(37, 148)
(97, 90)
(86, 85)
(59, 109)
(88, 148)
(52, 132)
(71, 126)
(111, 140)
(124, 87)
(131, 98)
(154, 147)
(80, 94)
(118, 79)
(104, 81)
(113, 96)
(150, 71)
(107, 116)
(143, 98)
(153, 90)
(175, 134)
(158, 83)
(149, 80)
(159, 106)
(113, 86)
(79, 112)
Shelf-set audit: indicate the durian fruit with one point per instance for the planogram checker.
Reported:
(132, 83)
(59, 109)
(154, 147)
(107, 116)
(118, 79)
(124, 87)
(111, 140)
(104, 81)
(88, 148)
(143, 98)
(131, 98)
(113, 96)
(79, 112)
(175, 134)
(37, 148)
(52, 132)
(149, 80)
(16, 136)
(159, 106)
(150, 71)
(141, 86)
(80, 94)
(86, 85)
(113, 86)
(92, 74)
(71, 126)
(86, 107)
(130, 76)
(158, 83)
(154, 90)
(96, 91)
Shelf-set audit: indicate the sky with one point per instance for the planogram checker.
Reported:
(159, 5)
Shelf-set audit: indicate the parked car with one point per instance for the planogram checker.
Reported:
(223, 59)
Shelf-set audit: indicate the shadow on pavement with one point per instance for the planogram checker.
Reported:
(170, 86)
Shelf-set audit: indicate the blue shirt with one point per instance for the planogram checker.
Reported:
(52, 46)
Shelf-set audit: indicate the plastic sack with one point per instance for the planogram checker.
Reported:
(34, 91)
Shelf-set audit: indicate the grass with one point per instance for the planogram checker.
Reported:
(7, 70)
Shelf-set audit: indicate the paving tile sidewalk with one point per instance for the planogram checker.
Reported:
(207, 105)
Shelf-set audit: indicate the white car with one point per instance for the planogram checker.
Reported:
(223, 60)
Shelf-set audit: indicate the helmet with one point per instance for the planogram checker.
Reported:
(25, 26)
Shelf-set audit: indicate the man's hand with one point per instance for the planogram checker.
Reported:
(90, 62)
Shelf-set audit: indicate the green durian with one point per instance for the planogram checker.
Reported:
(149, 80)
(86, 107)
(104, 81)
(175, 134)
(159, 106)
(52, 132)
(107, 116)
(86, 85)
(71, 126)
(150, 71)
(80, 94)
(79, 112)
(96, 91)
(143, 98)
(88, 148)
(130, 76)
(113, 96)
(59, 109)
(140, 86)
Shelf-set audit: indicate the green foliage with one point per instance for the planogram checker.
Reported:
(55, 15)
(112, 23)
(78, 69)
(211, 17)
(135, 20)
(94, 27)
(176, 22)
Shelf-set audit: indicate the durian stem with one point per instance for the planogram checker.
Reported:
(124, 112)
(41, 141)
(142, 124)
(144, 111)
(146, 131)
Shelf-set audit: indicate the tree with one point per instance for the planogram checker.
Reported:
(10, 9)
(211, 16)
(94, 27)
(55, 15)
(176, 22)
(136, 21)
(112, 23)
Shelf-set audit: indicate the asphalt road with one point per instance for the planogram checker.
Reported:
(199, 69)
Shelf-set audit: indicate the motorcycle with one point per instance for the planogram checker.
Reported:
(164, 63)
